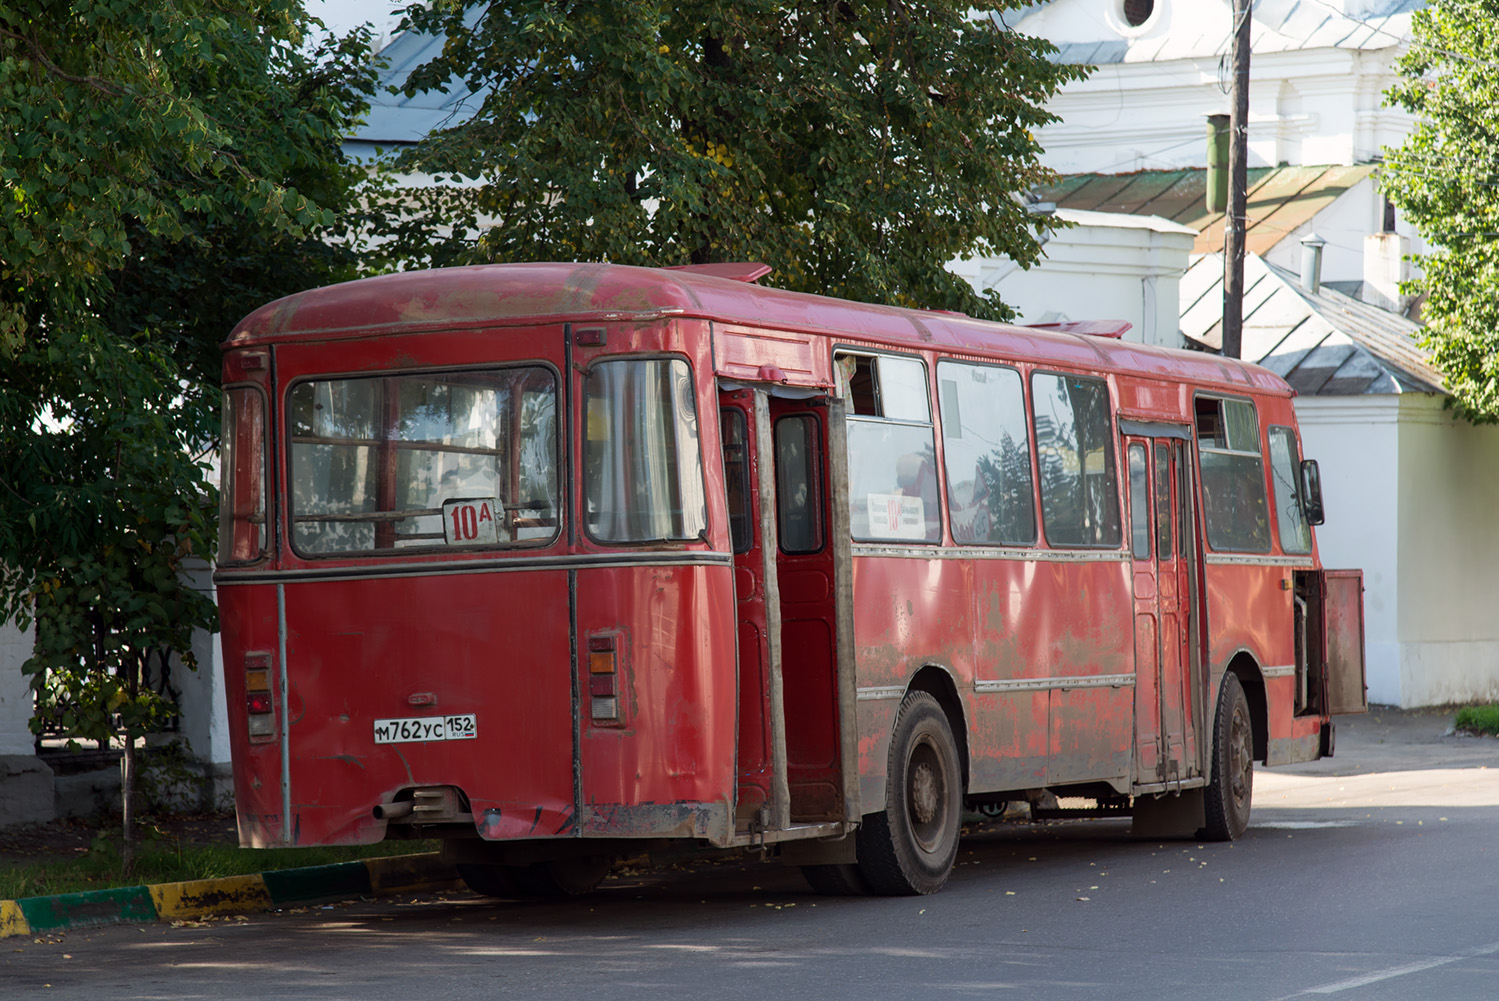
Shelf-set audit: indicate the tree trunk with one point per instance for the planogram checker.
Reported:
(132, 668)
(127, 809)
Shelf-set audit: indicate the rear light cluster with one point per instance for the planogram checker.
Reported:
(260, 707)
(603, 681)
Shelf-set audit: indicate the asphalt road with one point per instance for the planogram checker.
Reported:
(1370, 876)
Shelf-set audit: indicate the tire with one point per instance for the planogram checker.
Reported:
(1230, 788)
(488, 880)
(835, 880)
(910, 846)
(571, 877)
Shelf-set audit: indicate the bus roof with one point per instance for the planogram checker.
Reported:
(513, 294)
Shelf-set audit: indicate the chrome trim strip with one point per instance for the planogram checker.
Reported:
(1054, 683)
(995, 553)
(878, 692)
(1278, 671)
(1285, 562)
(384, 570)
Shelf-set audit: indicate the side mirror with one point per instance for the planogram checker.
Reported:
(1311, 492)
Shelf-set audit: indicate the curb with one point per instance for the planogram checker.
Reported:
(201, 898)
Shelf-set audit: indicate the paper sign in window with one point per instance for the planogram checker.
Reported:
(896, 516)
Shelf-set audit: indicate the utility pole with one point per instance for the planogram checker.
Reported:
(1238, 155)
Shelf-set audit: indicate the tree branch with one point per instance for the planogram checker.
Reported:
(98, 83)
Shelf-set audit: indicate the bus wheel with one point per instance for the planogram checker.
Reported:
(842, 880)
(488, 880)
(1232, 784)
(572, 877)
(910, 846)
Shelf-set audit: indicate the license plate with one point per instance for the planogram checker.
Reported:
(463, 726)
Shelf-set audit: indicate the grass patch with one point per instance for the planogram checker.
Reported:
(160, 860)
(1478, 719)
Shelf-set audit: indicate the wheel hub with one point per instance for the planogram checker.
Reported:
(924, 793)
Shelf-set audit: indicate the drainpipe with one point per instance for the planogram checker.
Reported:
(1217, 180)
(1311, 261)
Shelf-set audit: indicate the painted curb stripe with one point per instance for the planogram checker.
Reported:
(204, 897)
(12, 921)
(91, 907)
(402, 873)
(230, 895)
(320, 882)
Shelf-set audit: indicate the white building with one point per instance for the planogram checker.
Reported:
(1410, 492)
(1318, 75)
(1103, 265)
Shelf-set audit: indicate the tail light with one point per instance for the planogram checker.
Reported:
(260, 707)
(603, 681)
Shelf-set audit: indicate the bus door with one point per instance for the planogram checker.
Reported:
(1168, 682)
(791, 765)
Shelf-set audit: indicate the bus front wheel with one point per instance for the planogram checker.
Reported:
(1231, 786)
(910, 846)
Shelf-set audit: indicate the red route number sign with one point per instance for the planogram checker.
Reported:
(471, 522)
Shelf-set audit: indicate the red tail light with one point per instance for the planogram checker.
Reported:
(260, 707)
(603, 691)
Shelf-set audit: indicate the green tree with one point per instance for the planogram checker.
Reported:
(854, 146)
(1445, 179)
(165, 166)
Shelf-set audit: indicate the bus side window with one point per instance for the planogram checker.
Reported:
(1163, 502)
(1233, 475)
(1075, 450)
(891, 449)
(1139, 503)
(1290, 516)
(986, 448)
(798, 493)
(737, 478)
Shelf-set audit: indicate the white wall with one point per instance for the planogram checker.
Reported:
(205, 714)
(1449, 556)
(15, 693)
(1105, 267)
(1310, 103)
(1410, 496)
(1356, 442)
(1344, 225)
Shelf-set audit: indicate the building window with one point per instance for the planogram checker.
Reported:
(1137, 12)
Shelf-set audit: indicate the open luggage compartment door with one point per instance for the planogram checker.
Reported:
(1343, 641)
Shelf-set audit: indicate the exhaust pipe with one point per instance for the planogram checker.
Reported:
(394, 811)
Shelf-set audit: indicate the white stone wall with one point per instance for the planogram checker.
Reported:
(1105, 267)
(1356, 442)
(15, 693)
(1315, 86)
(1410, 500)
(204, 712)
(1449, 556)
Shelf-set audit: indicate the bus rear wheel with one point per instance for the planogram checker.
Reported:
(488, 880)
(910, 846)
(559, 878)
(1231, 786)
(571, 877)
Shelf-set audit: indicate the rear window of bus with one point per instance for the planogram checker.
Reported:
(424, 460)
(642, 454)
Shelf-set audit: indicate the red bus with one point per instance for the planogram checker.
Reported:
(563, 562)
